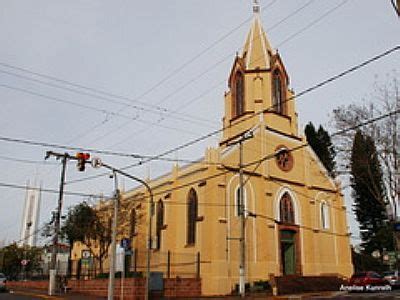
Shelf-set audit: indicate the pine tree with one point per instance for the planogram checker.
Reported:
(321, 143)
(369, 195)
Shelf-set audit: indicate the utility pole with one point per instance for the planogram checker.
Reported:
(396, 6)
(241, 203)
(111, 282)
(82, 159)
(53, 262)
(97, 163)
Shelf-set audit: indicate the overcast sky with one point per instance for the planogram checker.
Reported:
(147, 76)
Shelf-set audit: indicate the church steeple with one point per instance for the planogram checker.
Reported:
(257, 50)
(258, 85)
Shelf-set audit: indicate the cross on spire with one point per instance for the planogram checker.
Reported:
(256, 6)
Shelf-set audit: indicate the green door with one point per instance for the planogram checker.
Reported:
(288, 253)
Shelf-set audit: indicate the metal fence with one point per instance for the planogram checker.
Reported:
(133, 264)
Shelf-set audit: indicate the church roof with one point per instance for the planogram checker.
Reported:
(257, 50)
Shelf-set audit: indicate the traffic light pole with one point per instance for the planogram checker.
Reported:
(53, 262)
(82, 159)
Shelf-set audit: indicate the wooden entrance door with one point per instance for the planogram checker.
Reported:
(288, 252)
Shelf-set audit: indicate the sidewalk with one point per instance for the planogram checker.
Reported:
(42, 294)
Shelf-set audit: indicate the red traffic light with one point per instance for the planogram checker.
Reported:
(82, 155)
(82, 158)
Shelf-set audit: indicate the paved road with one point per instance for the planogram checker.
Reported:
(393, 295)
(40, 295)
(22, 296)
(353, 296)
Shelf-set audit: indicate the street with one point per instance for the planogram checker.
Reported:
(37, 295)
(382, 295)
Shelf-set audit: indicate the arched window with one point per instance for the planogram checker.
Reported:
(160, 222)
(278, 99)
(132, 231)
(191, 217)
(239, 94)
(286, 209)
(238, 202)
(324, 212)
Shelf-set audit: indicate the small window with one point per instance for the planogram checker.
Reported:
(191, 217)
(239, 95)
(286, 209)
(160, 222)
(324, 215)
(278, 98)
(132, 231)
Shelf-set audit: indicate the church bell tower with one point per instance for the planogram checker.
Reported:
(258, 88)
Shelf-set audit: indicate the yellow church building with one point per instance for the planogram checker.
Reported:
(294, 218)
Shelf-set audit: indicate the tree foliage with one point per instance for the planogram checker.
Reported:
(321, 143)
(85, 225)
(369, 195)
(11, 257)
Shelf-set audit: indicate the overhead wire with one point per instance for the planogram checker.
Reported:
(91, 150)
(52, 191)
(268, 109)
(160, 156)
(108, 94)
(135, 118)
(213, 66)
(93, 108)
(275, 1)
(191, 183)
(224, 172)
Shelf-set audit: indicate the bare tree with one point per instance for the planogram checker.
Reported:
(385, 100)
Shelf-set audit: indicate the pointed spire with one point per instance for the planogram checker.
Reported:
(257, 49)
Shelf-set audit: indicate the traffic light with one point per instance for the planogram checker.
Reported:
(82, 158)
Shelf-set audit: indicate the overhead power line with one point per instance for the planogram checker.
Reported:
(255, 162)
(158, 108)
(302, 93)
(213, 176)
(145, 159)
(91, 150)
(24, 187)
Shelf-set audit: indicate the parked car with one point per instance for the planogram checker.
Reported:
(393, 277)
(367, 278)
(3, 281)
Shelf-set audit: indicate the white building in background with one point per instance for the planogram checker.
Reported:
(30, 217)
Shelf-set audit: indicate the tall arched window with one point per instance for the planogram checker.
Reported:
(160, 222)
(324, 212)
(278, 99)
(286, 209)
(239, 94)
(191, 217)
(132, 231)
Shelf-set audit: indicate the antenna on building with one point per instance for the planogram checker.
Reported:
(256, 6)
